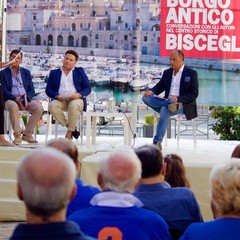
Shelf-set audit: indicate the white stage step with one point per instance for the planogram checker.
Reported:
(12, 209)
(198, 164)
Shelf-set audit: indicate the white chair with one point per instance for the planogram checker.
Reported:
(203, 118)
(8, 125)
(49, 126)
(91, 98)
(179, 120)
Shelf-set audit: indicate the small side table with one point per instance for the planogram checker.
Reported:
(92, 125)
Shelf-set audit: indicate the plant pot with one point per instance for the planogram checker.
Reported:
(147, 131)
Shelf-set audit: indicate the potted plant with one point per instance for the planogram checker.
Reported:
(227, 124)
(148, 127)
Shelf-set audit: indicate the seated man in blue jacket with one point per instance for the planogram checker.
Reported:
(68, 88)
(180, 85)
(18, 91)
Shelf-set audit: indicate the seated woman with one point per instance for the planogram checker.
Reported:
(175, 172)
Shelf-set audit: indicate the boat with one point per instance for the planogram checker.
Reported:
(122, 78)
(153, 82)
(155, 76)
(120, 83)
(139, 84)
(103, 80)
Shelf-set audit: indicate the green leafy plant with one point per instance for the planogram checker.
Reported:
(24, 118)
(227, 125)
(149, 119)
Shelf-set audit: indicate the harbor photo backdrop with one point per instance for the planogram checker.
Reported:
(124, 45)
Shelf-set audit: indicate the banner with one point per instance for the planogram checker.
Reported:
(201, 28)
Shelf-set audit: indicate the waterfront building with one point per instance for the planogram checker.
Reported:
(126, 28)
(107, 28)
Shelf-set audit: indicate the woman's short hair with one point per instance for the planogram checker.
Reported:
(225, 187)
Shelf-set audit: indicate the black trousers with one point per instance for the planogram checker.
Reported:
(1, 108)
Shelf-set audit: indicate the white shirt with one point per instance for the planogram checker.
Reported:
(175, 85)
(67, 87)
(115, 199)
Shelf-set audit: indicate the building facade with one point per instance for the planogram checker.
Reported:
(121, 27)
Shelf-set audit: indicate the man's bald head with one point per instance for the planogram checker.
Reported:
(66, 146)
(120, 171)
(46, 179)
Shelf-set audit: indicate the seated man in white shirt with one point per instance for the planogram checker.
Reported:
(68, 88)
(180, 84)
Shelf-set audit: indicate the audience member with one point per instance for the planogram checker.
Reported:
(180, 84)
(178, 206)
(68, 88)
(115, 212)
(225, 195)
(18, 91)
(84, 192)
(236, 152)
(46, 183)
(175, 172)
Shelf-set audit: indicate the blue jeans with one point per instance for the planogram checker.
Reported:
(161, 106)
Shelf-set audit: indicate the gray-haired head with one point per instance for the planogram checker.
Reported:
(66, 146)
(46, 180)
(120, 170)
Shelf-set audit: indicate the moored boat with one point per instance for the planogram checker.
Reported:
(138, 84)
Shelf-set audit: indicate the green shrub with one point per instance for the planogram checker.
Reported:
(24, 118)
(149, 119)
(227, 125)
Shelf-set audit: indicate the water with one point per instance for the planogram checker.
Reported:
(215, 88)
(218, 88)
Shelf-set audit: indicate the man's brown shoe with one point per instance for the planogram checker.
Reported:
(172, 107)
(29, 139)
(17, 140)
(159, 145)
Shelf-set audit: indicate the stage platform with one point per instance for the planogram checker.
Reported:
(198, 162)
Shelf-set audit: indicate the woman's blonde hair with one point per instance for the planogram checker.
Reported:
(225, 187)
